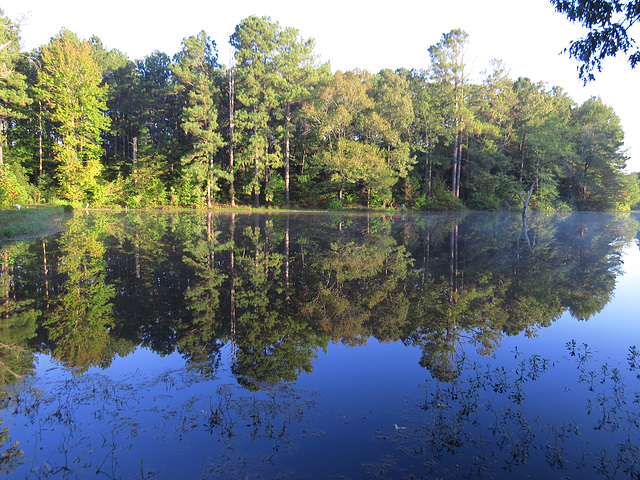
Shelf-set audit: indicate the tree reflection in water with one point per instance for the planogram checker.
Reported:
(268, 293)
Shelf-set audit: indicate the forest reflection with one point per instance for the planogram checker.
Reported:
(278, 288)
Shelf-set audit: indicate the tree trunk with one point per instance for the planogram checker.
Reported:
(45, 271)
(209, 172)
(454, 166)
(524, 136)
(459, 169)
(286, 254)
(457, 164)
(266, 172)
(40, 137)
(231, 128)
(256, 187)
(286, 154)
(427, 166)
(134, 159)
(525, 203)
(453, 258)
(212, 252)
(523, 232)
(232, 289)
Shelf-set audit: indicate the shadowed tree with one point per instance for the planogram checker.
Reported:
(595, 174)
(18, 317)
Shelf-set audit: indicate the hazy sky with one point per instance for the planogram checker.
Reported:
(528, 35)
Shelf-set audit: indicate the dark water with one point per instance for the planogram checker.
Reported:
(151, 345)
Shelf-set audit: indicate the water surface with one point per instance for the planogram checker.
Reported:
(155, 345)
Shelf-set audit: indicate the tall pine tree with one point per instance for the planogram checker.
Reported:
(195, 68)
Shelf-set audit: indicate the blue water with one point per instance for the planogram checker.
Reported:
(562, 404)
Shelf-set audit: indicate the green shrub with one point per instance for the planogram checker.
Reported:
(335, 204)
(485, 201)
(14, 185)
(274, 190)
(148, 193)
(441, 198)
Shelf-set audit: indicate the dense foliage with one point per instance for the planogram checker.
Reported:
(84, 124)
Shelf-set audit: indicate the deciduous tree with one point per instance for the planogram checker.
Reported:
(13, 93)
(70, 84)
(596, 170)
(609, 23)
(391, 119)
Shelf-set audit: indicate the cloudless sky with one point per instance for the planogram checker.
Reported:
(527, 35)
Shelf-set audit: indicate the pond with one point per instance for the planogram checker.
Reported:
(216, 345)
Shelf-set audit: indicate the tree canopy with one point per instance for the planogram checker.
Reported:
(83, 124)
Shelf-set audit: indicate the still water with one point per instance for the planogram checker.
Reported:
(174, 346)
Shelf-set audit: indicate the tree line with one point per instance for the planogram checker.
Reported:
(82, 124)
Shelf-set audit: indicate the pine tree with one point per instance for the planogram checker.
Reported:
(255, 42)
(295, 65)
(195, 68)
(448, 71)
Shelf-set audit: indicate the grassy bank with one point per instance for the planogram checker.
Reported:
(29, 222)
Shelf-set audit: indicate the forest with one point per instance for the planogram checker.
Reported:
(81, 124)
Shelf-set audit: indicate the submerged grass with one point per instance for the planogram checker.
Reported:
(29, 221)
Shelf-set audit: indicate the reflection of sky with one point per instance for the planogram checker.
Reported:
(631, 259)
(371, 388)
(377, 386)
(619, 318)
(613, 330)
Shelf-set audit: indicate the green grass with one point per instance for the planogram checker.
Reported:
(28, 221)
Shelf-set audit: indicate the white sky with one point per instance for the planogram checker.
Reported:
(528, 35)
